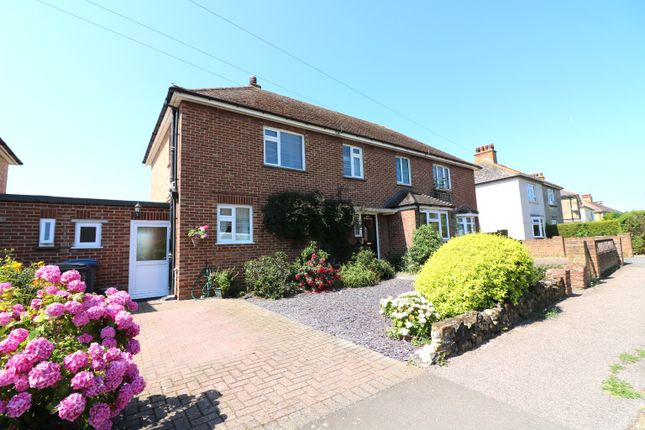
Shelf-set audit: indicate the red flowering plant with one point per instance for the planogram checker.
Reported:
(314, 272)
(66, 355)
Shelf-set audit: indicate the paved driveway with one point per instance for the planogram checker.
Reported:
(544, 375)
(230, 364)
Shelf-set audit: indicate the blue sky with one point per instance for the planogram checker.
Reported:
(557, 86)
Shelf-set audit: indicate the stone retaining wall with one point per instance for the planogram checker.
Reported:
(467, 331)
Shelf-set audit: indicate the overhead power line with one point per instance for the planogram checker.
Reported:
(324, 73)
(132, 39)
(197, 49)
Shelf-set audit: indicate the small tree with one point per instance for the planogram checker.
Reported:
(425, 242)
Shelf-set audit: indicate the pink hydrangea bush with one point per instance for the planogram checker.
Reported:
(68, 356)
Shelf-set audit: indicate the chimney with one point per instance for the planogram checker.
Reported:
(253, 81)
(539, 176)
(485, 153)
(587, 198)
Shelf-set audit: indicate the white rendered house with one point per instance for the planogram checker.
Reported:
(512, 202)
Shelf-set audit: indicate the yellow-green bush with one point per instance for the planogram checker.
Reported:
(474, 272)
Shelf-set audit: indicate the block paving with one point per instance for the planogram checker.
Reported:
(229, 364)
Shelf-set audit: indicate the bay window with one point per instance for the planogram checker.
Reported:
(439, 220)
(466, 224)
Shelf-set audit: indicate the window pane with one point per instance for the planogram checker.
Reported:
(398, 170)
(444, 226)
(47, 232)
(225, 211)
(356, 151)
(357, 167)
(347, 161)
(405, 171)
(433, 215)
(434, 224)
(87, 235)
(226, 229)
(242, 224)
(291, 150)
(270, 152)
(271, 133)
(151, 243)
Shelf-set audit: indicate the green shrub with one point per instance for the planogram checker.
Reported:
(310, 249)
(223, 279)
(366, 258)
(425, 242)
(357, 276)
(269, 276)
(634, 223)
(591, 228)
(551, 230)
(474, 272)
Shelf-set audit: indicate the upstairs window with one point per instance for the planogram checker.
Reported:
(234, 224)
(283, 149)
(531, 193)
(403, 171)
(87, 234)
(352, 162)
(47, 232)
(441, 176)
(550, 196)
(438, 219)
(538, 227)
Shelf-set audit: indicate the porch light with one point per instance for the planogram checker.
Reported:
(137, 210)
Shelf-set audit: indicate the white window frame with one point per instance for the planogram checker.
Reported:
(466, 220)
(77, 234)
(353, 156)
(42, 240)
(439, 213)
(539, 221)
(232, 218)
(550, 196)
(531, 193)
(399, 160)
(358, 226)
(278, 141)
(446, 175)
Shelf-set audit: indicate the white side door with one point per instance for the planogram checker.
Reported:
(149, 241)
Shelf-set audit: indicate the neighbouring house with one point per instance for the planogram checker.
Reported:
(512, 202)
(218, 154)
(577, 207)
(7, 158)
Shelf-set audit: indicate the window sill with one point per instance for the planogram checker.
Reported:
(354, 178)
(86, 247)
(404, 185)
(291, 169)
(235, 243)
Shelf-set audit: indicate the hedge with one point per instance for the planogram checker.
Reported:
(592, 228)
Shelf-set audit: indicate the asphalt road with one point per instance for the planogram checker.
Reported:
(543, 375)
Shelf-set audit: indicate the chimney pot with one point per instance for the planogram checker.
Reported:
(485, 152)
(253, 81)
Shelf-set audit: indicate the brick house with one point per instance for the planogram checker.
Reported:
(514, 202)
(217, 155)
(7, 158)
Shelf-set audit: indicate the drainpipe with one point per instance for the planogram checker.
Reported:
(174, 198)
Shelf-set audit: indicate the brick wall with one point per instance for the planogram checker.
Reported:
(19, 230)
(4, 174)
(553, 247)
(220, 158)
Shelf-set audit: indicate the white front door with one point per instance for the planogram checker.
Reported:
(149, 259)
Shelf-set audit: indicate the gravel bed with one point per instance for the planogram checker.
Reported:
(352, 314)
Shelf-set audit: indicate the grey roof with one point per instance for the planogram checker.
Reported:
(491, 172)
(567, 193)
(407, 198)
(599, 207)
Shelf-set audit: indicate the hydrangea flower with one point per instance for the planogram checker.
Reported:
(76, 361)
(99, 414)
(81, 319)
(95, 312)
(8, 376)
(71, 407)
(55, 310)
(21, 362)
(44, 375)
(72, 307)
(49, 273)
(70, 276)
(108, 331)
(18, 405)
(85, 338)
(133, 347)
(40, 348)
(21, 384)
(109, 342)
(51, 289)
(76, 286)
(82, 380)
(36, 304)
(4, 286)
(123, 320)
(6, 318)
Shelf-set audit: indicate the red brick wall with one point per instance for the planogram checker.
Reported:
(553, 247)
(20, 231)
(221, 156)
(4, 174)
